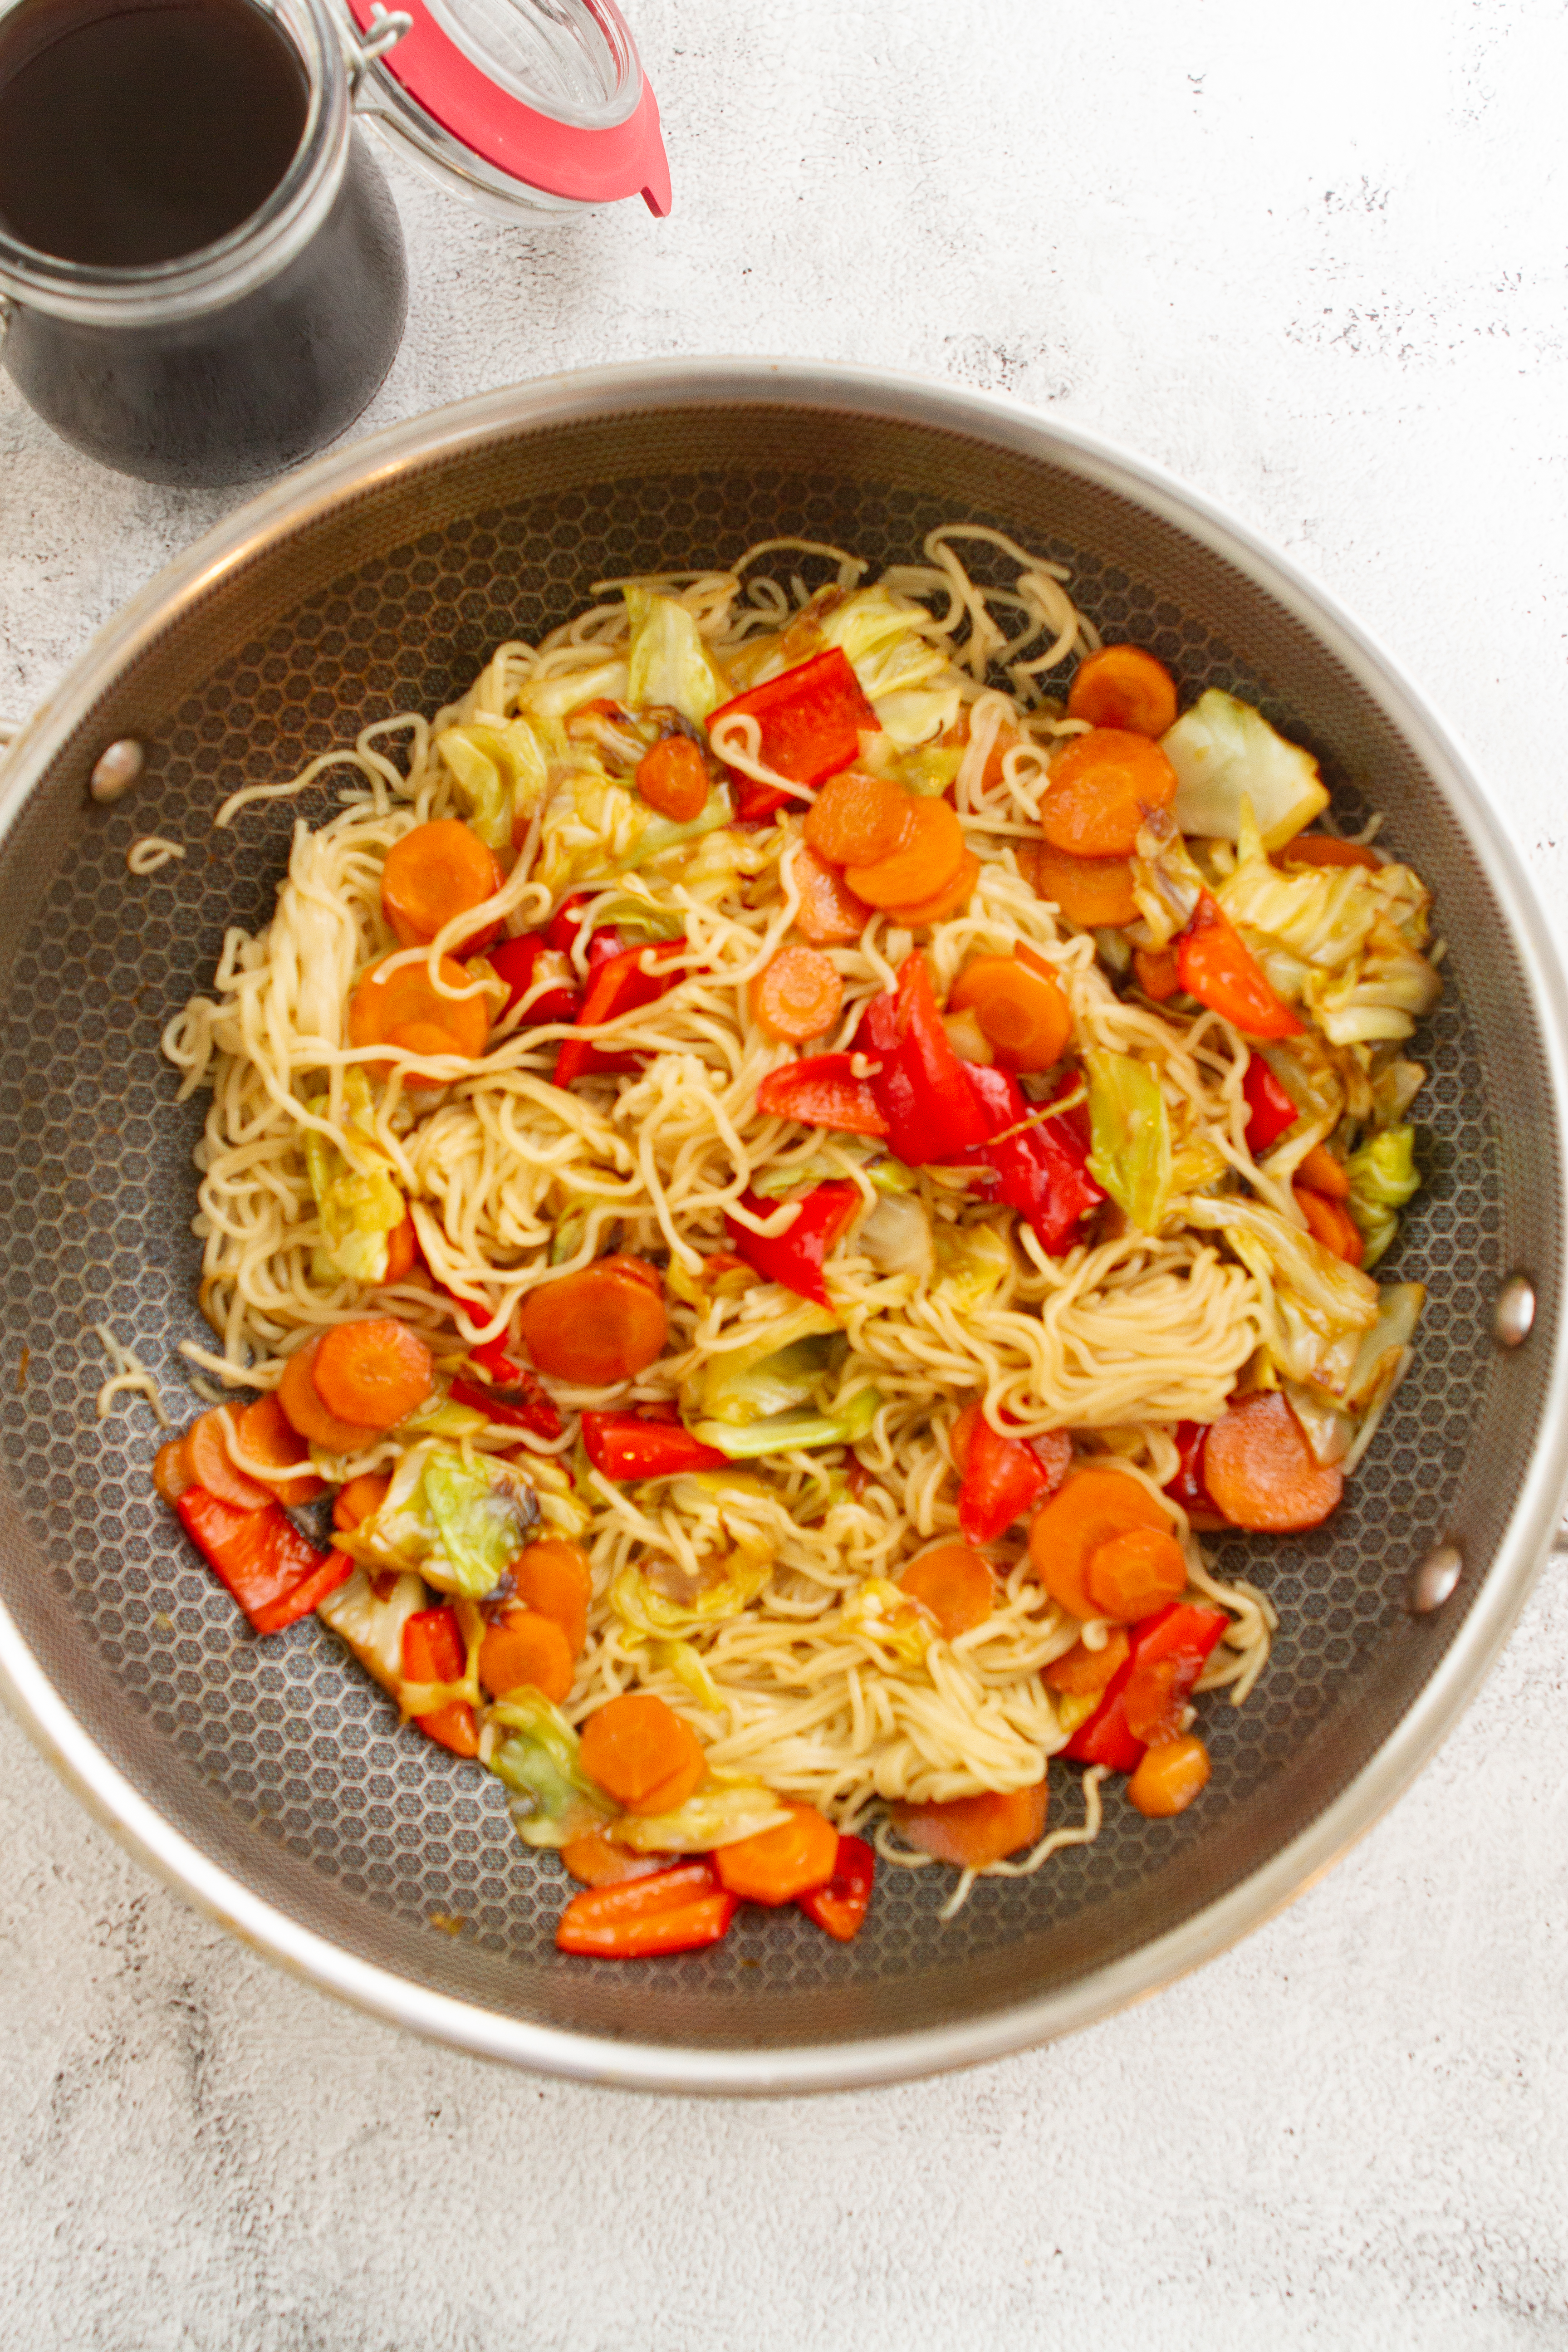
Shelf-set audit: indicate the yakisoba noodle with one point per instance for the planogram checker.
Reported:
(1215, 1286)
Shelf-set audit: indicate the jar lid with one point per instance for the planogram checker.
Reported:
(517, 104)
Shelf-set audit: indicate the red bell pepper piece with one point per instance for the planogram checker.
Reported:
(809, 718)
(620, 984)
(432, 1652)
(1169, 1652)
(1214, 965)
(633, 1445)
(566, 922)
(523, 1403)
(1042, 1172)
(1003, 1475)
(822, 1091)
(274, 1572)
(795, 1258)
(1188, 1487)
(920, 1089)
(517, 962)
(674, 1910)
(1271, 1111)
(840, 1905)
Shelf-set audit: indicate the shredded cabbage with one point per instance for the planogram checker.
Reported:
(357, 1200)
(1224, 752)
(881, 1611)
(896, 1237)
(594, 829)
(373, 1628)
(1131, 1155)
(1316, 1307)
(907, 680)
(668, 664)
(726, 1809)
(499, 772)
(458, 1520)
(759, 1373)
(793, 1433)
(973, 1262)
(644, 1609)
(553, 1799)
(1383, 1177)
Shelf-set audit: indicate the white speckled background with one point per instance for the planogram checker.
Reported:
(1317, 268)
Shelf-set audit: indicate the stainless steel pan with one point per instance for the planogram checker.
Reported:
(267, 1780)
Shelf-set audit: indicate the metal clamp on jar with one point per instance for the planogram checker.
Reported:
(202, 274)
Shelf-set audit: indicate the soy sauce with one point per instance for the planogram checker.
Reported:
(140, 135)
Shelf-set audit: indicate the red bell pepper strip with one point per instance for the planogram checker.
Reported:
(1213, 964)
(620, 984)
(675, 1910)
(274, 1572)
(809, 718)
(1003, 1475)
(822, 1091)
(840, 1905)
(523, 1403)
(795, 1258)
(564, 924)
(1169, 1652)
(1187, 1487)
(517, 962)
(931, 1111)
(1043, 1172)
(632, 1445)
(432, 1652)
(1271, 1111)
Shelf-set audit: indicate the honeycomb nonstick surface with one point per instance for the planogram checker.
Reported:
(278, 1757)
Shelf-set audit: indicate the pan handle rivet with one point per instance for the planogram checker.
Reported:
(117, 769)
(1436, 1578)
(1514, 1312)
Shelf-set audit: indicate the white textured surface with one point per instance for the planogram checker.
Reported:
(1316, 267)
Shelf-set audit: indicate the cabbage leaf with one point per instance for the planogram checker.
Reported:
(1315, 1308)
(539, 1759)
(1132, 1128)
(459, 1520)
(668, 664)
(1224, 752)
(793, 1433)
(727, 1807)
(357, 1198)
(374, 1628)
(1383, 1177)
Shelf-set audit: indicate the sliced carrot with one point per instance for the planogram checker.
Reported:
(374, 1373)
(171, 1471)
(778, 1864)
(522, 1650)
(956, 1584)
(1156, 972)
(1319, 1171)
(1216, 965)
(598, 1327)
(388, 1008)
(596, 1860)
(1326, 849)
(1169, 1777)
(829, 914)
(673, 779)
(1131, 1575)
(1101, 786)
(859, 820)
(1088, 1507)
(1332, 1224)
(1079, 1671)
(433, 873)
(972, 1832)
(206, 1458)
(360, 1499)
(949, 900)
(924, 864)
(402, 1250)
(1122, 686)
(797, 995)
(678, 1909)
(1260, 1471)
(555, 1577)
(303, 1407)
(267, 1435)
(1096, 893)
(642, 1754)
(1021, 1010)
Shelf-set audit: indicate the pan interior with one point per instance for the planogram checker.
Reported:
(278, 1758)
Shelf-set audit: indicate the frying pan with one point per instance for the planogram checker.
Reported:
(267, 1780)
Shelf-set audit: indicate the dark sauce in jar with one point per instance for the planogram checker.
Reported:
(151, 136)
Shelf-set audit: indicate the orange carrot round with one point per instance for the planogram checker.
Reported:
(1214, 964)
(972, 1832)
(859, 820)
(387, 1007)
(433, 873)
(1169, 1777)
(1260, 1471)
(170, 1473)
(522, 1650)
(303, 1407)
(1099, 787)
(776, 1865)
(797, 995)
(1332, 1224)
(1326, 849)
(949, 900)
(600, 1326)
(673, 779)
(372, 1373)
(829, 914)
(1079, 1672)
(1022, 1012)
(596, 1860)
(1319, 1171)
(956, 1584)
(1156, 972)
(360, 1499)
(642, 1754)
(207, 1459)
(554, 1578)
(924, 864)
(1123, 686)
(1131, 1575)
(1096, 893)
(1090, 1507)
(265, 1434)
(402, 1250)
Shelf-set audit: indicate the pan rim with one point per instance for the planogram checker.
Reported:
(404, 448)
